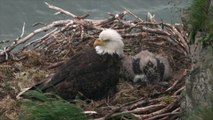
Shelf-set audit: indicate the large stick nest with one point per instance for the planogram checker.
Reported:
(37, 59)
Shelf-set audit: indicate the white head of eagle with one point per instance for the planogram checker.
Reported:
(109, 41)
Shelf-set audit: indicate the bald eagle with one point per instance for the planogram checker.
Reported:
(146, 67)
(92, 72)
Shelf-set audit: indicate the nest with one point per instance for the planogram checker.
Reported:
(37, 59)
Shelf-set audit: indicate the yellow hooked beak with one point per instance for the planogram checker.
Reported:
(98, 42)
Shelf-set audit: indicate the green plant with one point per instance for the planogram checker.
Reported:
(199, 19)
(39, 106)
(202, 113)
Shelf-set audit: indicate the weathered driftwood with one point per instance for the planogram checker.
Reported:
(65, 37)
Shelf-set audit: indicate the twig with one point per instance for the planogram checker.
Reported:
(109, 114)
(39, 39)
(142, 102)
(176, 110)
(60, 10)
(156, 30)
(82, 32)
(38, 23)
(5, 53)
(23, 29)
(163, 115)
(173, 85)
(90, 112)
(149, 23)
(54, 65)
(22, 33)
(179, 90)
(133, 14)
(172, 117)
(184, 73)
(183, 41)
(167, 108)
(42, 29)
(111, 19)
(141, 110)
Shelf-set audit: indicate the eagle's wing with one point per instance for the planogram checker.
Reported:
(68, 69)
(79, 64)
(85, 72)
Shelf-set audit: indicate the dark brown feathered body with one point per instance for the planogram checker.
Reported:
(87, 72)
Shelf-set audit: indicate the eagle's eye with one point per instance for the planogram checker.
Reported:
(107, 40)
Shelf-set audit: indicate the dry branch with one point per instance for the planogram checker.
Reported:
(177, 80)
(163, 115)
(43, 29)
(133, 14)
(60, 10)
(164, 110)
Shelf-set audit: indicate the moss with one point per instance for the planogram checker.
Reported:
(167, 99)
(202, 113)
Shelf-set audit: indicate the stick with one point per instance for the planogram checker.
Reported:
(140, 110)
(39, 39)
(156, 30)
(22, 33)
(60, 10)
(170, 106)
(54, 65)
(184, 73)
(163, 115)
(179, 90)
(42, 29)
(133, 14)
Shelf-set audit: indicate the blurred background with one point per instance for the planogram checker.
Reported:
(13, 13)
